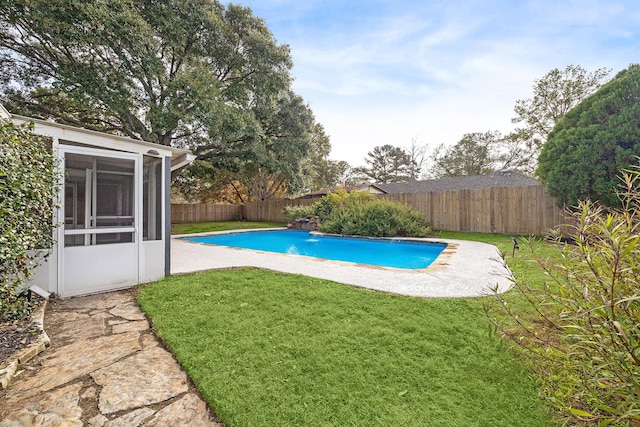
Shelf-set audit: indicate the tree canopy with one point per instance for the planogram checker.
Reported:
(554, 95)
(386, 163)
(320, 171)
(586, 152)
(475, 154)
(195, 74)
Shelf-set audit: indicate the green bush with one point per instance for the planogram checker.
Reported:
(294, 212)
(363, 214)
(323, 207)
(585, 335)
(27, 187)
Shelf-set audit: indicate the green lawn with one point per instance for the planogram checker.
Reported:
(274, 349)
(203, 227)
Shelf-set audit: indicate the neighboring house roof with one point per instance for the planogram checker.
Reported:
(505, 178)
(369, 187)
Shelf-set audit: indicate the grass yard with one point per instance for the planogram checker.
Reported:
(203, 227)
(268, 348)
(273, 349)
(521, 262)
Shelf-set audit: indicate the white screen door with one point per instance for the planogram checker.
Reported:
(100, 221)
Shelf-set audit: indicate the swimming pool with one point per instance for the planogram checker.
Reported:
(394, 253)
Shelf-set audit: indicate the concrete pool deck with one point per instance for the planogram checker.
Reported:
(464, 269)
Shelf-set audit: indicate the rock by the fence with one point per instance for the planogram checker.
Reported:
(308, 223)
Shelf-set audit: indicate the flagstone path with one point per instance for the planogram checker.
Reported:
(104, 368)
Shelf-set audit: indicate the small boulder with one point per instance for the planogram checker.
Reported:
(308, 223)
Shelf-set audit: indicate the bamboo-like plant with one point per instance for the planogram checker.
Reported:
(582, 327)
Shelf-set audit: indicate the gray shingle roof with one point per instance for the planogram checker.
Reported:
(497, 179)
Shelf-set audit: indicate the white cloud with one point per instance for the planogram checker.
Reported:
(383, 72)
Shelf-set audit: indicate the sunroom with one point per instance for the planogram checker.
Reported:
(114, 217)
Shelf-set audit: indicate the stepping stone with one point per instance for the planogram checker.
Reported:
(129, 311)
(54, 408)
(73, 361)
(141, 325)
(65, 316)
(81, 329)
(132, 419)
(96, 302)
(190, 410)
(148, 377)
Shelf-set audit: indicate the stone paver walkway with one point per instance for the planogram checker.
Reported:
(105, 368)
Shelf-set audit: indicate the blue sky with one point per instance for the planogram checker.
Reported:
(389, 72)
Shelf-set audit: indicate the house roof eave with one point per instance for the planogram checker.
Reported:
(179, 157)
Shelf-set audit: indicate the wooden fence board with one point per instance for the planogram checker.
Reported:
(204, 212)
(505, 210)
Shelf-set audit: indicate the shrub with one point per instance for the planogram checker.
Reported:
(584, 336)
(362, 214)
(27, 177)
(365, 215)
(322, 208)
(294, 212)
(585, 151)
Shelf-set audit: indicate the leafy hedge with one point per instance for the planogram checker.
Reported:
(27, 187)
(363, 214)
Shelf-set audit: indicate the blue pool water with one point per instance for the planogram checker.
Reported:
(380, 252)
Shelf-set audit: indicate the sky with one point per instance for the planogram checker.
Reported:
(429, 71)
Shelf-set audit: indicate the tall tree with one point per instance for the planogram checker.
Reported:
(190, 73)
(514, 153)
(554, 95)
(475, 154)
(263, 166)
(159, 71)
(320, 171)
(417, 157)
(386, 163)
(587, 150)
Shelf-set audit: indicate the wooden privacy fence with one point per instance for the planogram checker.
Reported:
(506, 210)
(204, 212)
(271, 210)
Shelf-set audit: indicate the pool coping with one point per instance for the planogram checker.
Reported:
(463, 268)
